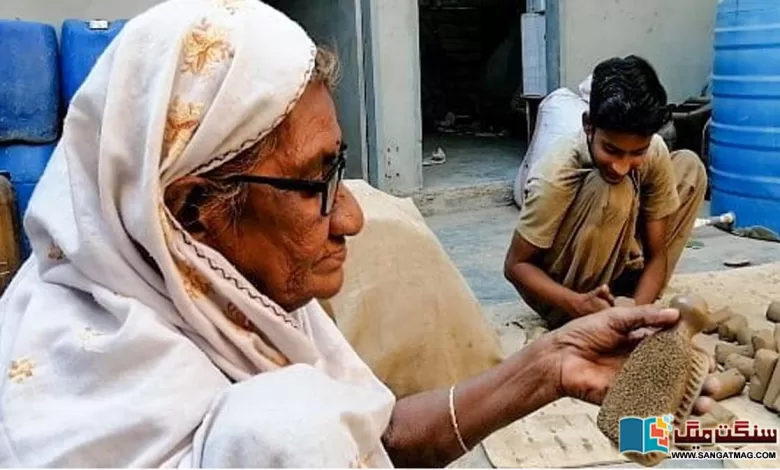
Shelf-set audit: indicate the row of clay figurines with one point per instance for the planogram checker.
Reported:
(666, 373)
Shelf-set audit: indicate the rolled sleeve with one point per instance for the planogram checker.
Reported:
(542, 212)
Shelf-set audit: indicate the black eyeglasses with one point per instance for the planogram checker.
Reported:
(327, 187)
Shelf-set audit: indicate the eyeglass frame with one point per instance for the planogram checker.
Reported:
(292, 184)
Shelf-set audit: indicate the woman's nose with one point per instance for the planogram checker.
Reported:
(347, 217)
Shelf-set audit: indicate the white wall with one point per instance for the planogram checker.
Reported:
(393, 95)
(676, 36)
(55, 11)
(339, 24)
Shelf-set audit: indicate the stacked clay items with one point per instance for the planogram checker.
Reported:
(663, 376)
(753, 354)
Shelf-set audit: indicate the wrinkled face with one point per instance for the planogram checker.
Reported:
(615, 154)
(280, 241)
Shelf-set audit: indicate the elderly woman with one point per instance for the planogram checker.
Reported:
(190, 216)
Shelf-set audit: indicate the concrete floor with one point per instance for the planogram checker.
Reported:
(477, 241)
(471, 160)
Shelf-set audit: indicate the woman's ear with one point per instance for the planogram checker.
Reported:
(184, 198)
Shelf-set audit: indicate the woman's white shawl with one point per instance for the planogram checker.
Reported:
(106, 362)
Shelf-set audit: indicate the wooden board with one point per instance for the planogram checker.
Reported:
(563, 434)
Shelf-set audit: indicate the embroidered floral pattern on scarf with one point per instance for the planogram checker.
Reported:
(150, 364)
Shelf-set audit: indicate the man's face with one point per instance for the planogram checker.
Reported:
(615, 154)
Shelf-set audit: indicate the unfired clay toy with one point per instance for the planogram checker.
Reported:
(717, 318)
(664, 375)
(724, 350)
(764, 366)
(717, 415)
(764, 339)
(731, 383)
(743, 364)
(745, 336)
(772, 388)
(777, 337)
(728, 330)
(773, 312)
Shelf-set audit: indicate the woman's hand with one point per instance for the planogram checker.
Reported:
(593, 349)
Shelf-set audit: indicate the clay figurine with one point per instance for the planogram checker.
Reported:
(745, 336)
(764, 339)
(731, 383)
(718, 415)
(777, 337)
(717, 318)
(727, 331)
(772, 388)
(664, 375)
(764, 366)
(773, 312)
(742, 363)
(724, 350)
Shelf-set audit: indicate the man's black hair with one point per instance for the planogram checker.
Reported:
(627, 96)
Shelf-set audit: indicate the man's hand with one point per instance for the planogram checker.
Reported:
(593, 349)
(591, 302)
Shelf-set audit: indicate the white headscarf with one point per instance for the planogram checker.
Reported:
(107, 362)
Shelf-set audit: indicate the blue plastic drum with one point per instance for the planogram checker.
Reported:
(29, 83)
(82, 44)
(745, 129)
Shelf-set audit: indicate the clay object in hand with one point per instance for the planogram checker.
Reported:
(664, 375)
(763, 366)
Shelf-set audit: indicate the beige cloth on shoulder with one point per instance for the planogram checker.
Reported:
(405, 307)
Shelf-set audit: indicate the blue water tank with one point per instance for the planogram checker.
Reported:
(25, 163)
(745, 129)
(82, 44)
(29, 82)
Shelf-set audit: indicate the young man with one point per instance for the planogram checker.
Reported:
(608, 211)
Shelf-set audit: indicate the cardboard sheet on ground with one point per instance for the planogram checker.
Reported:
(561, 435)
(565, 433)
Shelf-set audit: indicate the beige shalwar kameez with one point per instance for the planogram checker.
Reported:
(590, 229)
